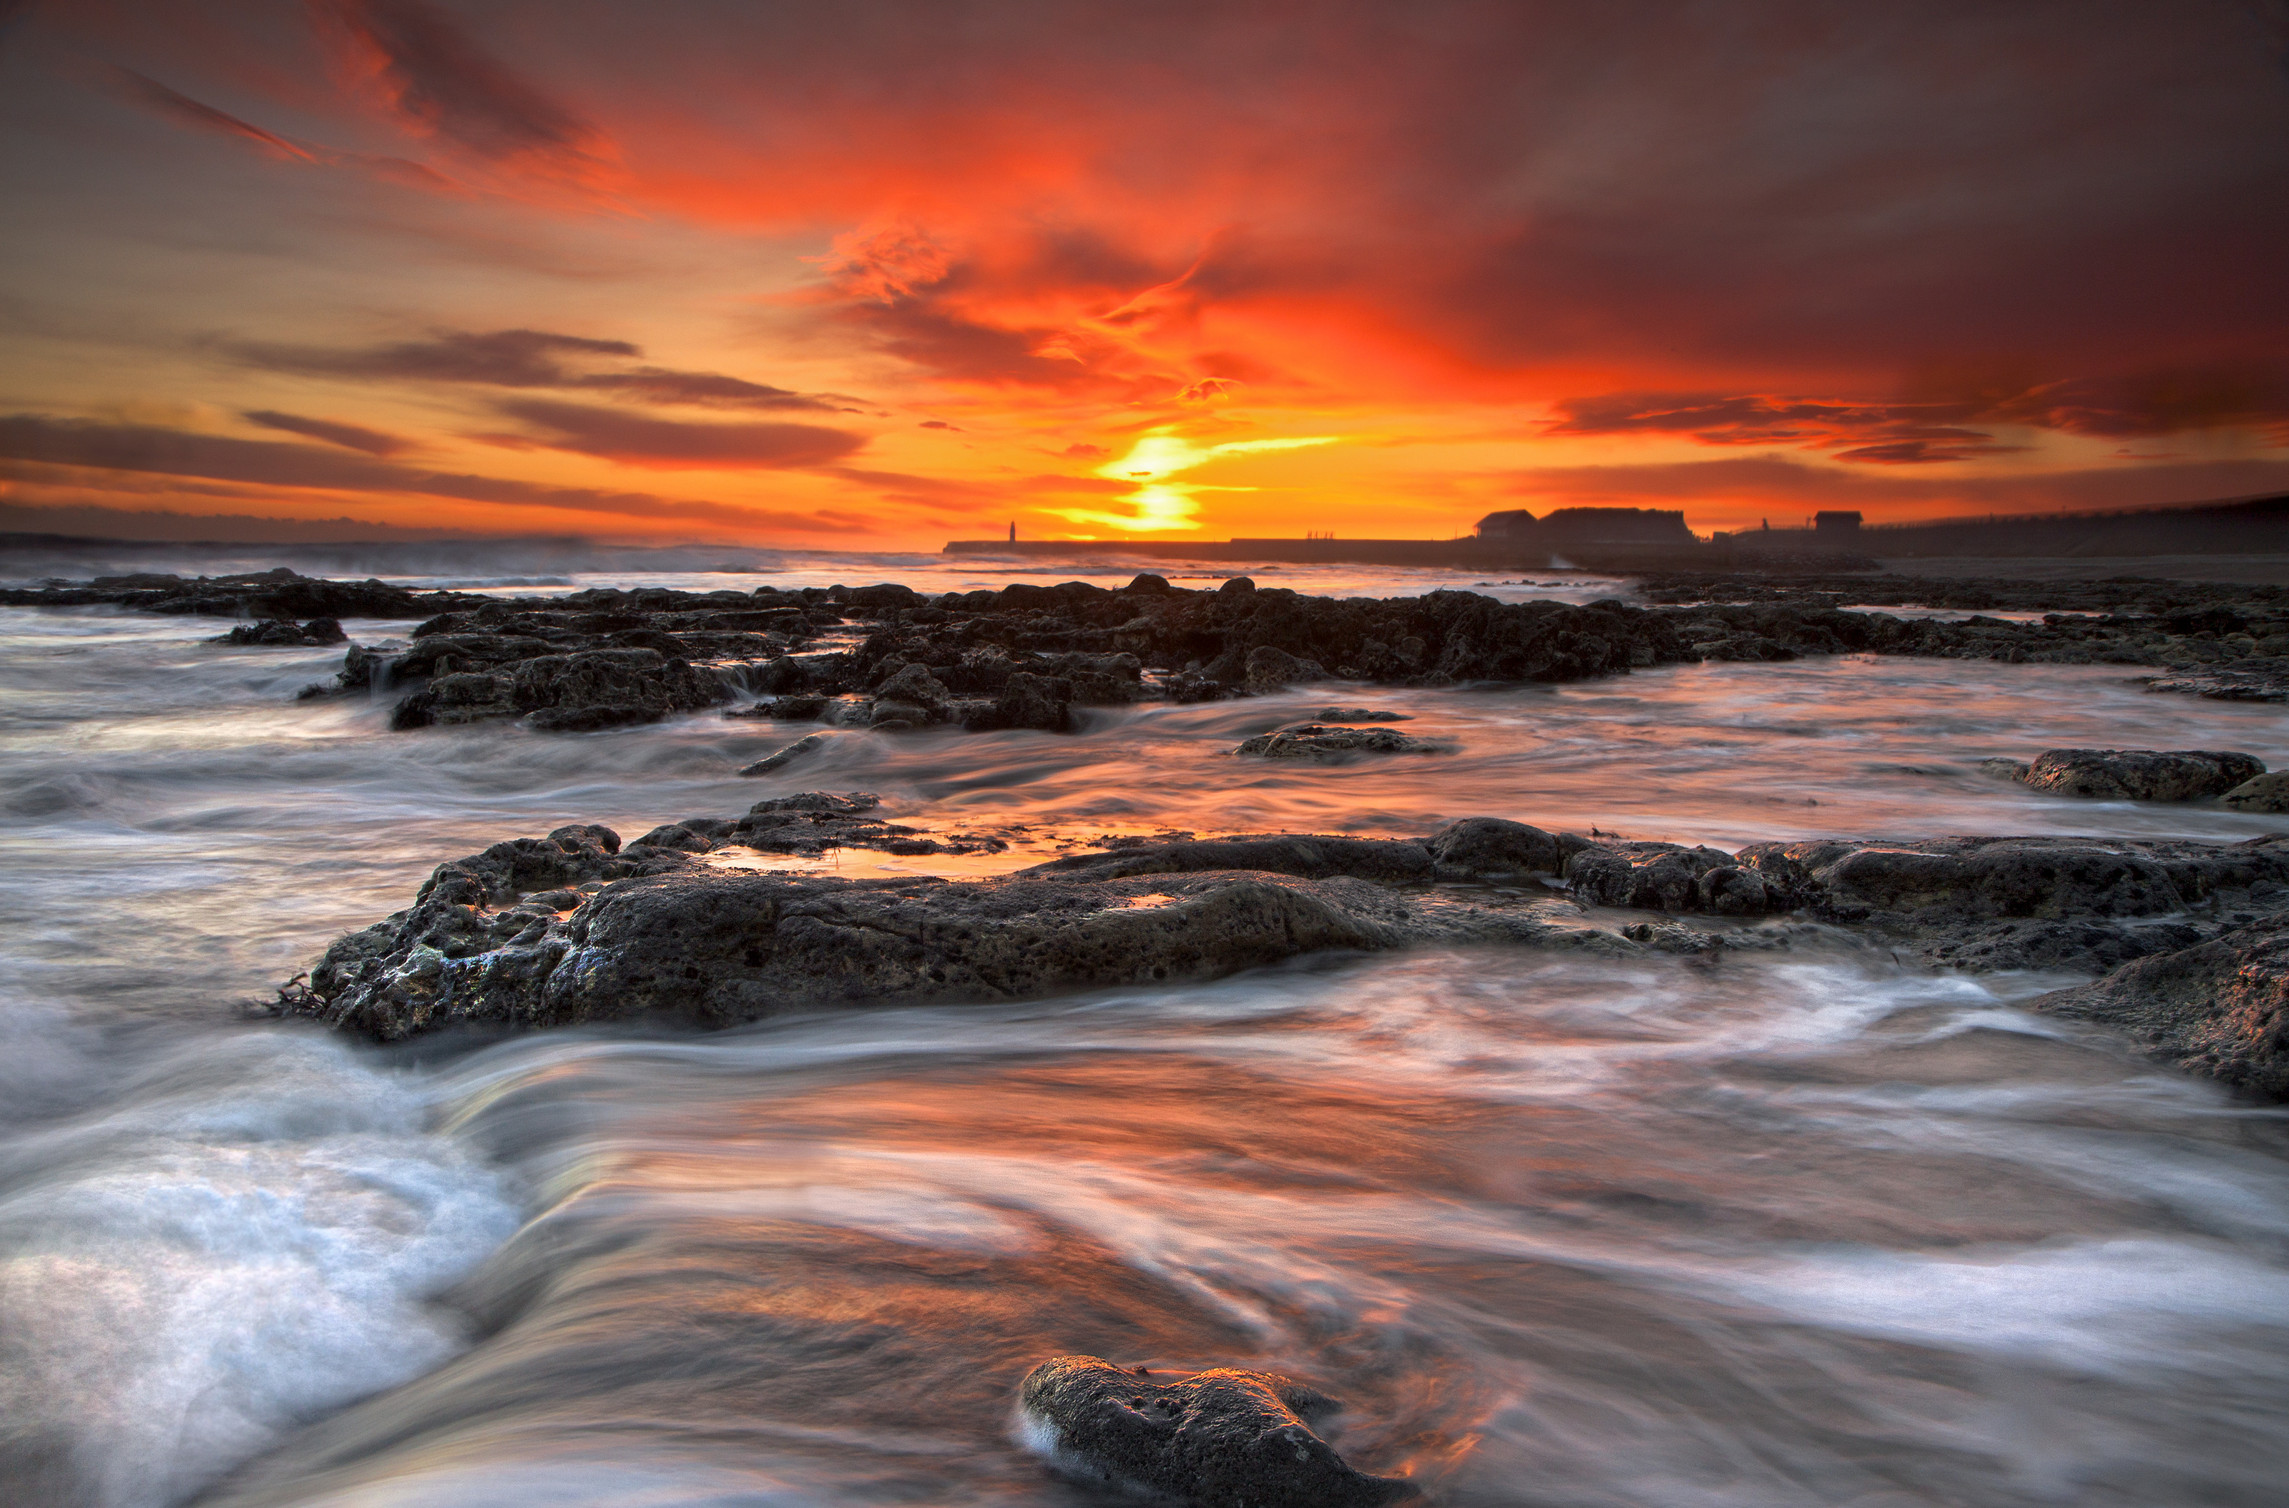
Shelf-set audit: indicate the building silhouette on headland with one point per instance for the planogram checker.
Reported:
(1640, 539)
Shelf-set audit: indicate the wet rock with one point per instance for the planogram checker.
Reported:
(284, 633)
(2260, 793)
(2219, 1008)
(801, 747)
(274, 595)
(1270, 668)
(2140, 774)
(1670, 877)
(1027, 701)
(1358, 715)
(1316, 741)
(567, 693)
(914, 686)
(2266, 683)
(722, 946)
(1975, 879)
(1217, 1439)
(1491, 848)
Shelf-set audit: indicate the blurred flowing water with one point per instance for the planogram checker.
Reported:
(1817, 1230)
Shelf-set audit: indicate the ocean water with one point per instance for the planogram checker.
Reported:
(1812, 1230)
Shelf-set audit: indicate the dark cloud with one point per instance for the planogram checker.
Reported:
(1940, 427)
(703, 389)
(499, 358)
(35, 439)
(449, 87)
(921, 329)
(373, 442)
(636, 440)
(525, 359)
(185, 111)
(941, 424)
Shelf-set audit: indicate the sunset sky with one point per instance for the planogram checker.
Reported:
(879, 275)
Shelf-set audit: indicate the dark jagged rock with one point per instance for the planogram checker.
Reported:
(2140, 774)
(1217, 1439)
(1317, 742)
(1358, 715)
(567, 693)
(2219, 1008)
(1670, 877)
(1026, 701)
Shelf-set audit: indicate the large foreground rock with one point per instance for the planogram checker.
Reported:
(2219, 1008)
(1218, 1439)
(571, 928)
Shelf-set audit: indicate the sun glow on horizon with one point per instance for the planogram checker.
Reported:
(1161, 504)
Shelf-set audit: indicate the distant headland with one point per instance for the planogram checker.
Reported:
(1655, 539)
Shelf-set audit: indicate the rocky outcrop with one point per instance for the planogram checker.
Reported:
(720, 946)
(270, 595)
(904, 660)
(1316, 741)
(566, 693)
(2219, 1008)
(2016, 903)
(1217, 1439)
(575, 928)
(2140, 774)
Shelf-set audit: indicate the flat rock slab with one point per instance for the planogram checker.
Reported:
(2261, 793)
(1217, 1439)
(574, 928)
(2140, 774)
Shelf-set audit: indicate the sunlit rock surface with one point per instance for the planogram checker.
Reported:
(1217, 1439)
(2219, 1008)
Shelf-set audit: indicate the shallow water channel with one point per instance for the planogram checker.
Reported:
(1786, 1230)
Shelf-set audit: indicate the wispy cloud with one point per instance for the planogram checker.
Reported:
(526, 359)
(373, 442)
(37, 439)
(667, 444)
(444, 85)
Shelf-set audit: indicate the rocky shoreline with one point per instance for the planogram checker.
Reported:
(1027, 656)
(575, 928)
